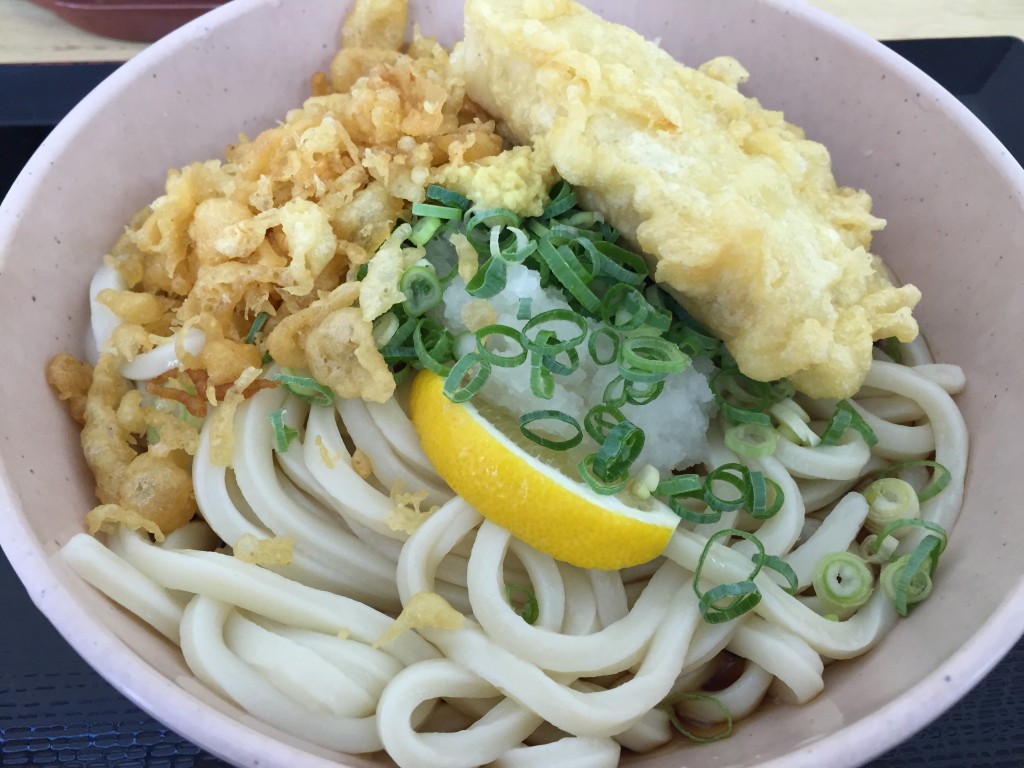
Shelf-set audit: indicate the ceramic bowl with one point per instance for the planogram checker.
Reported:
(953, 197)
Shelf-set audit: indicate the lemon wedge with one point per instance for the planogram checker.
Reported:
(537, 503)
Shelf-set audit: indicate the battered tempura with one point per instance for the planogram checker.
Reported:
(739, 212)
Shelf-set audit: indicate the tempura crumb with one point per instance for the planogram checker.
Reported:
(425, 610)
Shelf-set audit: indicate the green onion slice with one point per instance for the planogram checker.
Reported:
(531, 609)
(305, 388)
(624, 308)
(620, 448)
(928, 525)
(846, 417)
(551, 415)
(485, 218)
(436, 211)
(940, 476)
(523, 312)
(640, 392)
(780, 566)
(842, 580)
(466, 377)
(505, 332)
(601, 352)
(551, 345)
(283, 434)
(432, 344)
(563, 198)
(257, 325)
(650, 355)
(751, 440)
(669, 708)
(605, 487)
(542, 382)
(908, 580)
(422, 289)
(764, 498)
(743, 400)
(448, 197)
(889, 499)
(736, 475)
(617, 263)
(679, 489)
(489, 280)
(600, 419)
(566, 268)
(558, 368)
(615, 392)
(726, 602)
(423, 231)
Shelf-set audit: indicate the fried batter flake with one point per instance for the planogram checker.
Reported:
(70, 379)
(107, 517)
(425, 610)
(275, 551)
(406, 515)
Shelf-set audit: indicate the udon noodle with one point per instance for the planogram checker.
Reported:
(313, 591)
(294, 645)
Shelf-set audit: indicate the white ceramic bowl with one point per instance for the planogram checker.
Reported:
(955, 204)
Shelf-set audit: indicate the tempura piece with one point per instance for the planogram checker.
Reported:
(739, 214)
(70, 379)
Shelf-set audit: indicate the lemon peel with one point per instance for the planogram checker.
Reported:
(537, 503)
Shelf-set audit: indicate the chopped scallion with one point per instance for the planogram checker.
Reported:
(504, 332)
(466, 377)
(422, 290)
(257, 325)
(531, 609)
(842, 580)
(726, 602)
(306, 388)
(547, 442)
(283, 434)
(846, 417)
(436, 211)
(889, 499)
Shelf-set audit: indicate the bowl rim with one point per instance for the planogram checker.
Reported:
(853, 744)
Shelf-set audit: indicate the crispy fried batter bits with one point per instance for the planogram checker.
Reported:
(277, 227)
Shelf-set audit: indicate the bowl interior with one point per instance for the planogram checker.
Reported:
(955, 204)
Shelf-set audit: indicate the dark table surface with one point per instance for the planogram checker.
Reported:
(54, 710)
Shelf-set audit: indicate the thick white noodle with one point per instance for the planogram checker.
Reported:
(103, 321)
(844, 461)
(500, 729)
(616, 647)
(837, 640)
(834, 534)
(781, 653)
(570, 752)
(947, 425)
(388, 465)
(394, 425)
(265, 593)
(163, 357)
(203, 634)
(124, 584)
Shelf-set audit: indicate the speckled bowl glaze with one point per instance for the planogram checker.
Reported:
(955, 204)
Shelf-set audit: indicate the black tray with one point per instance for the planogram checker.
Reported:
(54, 710)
